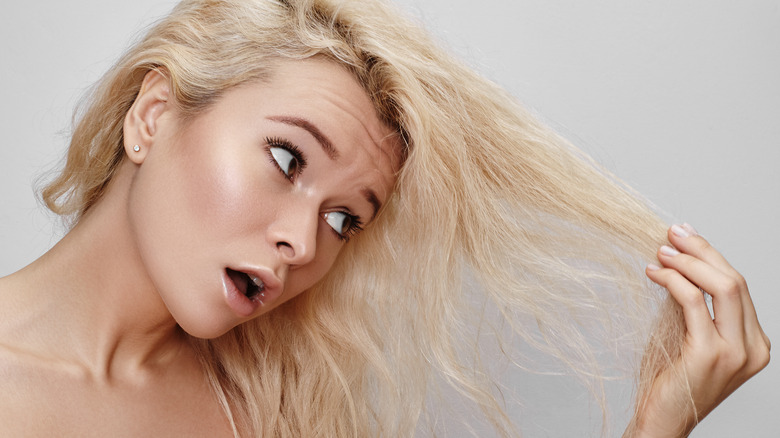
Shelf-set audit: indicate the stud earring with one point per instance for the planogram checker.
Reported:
(137, 148)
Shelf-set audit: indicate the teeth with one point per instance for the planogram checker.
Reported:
(257, 281)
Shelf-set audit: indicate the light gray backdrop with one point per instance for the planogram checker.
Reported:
(681, 99)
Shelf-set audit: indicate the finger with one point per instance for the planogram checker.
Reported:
(767, 342)
(688, 296)
(752, 326)
(687, 240)
(726, 291)
(699, 272)
(756, 354)
(756, 344)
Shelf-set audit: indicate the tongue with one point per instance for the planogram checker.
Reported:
(239, 279)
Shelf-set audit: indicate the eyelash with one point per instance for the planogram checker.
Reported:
(355, 227)
(355, 224)
(278, 142)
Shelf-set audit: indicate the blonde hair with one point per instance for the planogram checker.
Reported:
(488, 200)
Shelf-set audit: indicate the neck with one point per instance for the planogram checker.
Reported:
(91, 299)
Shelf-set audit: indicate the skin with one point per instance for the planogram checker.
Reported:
(720, 352)
(92, 334)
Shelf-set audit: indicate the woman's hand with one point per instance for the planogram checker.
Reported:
(719, 353)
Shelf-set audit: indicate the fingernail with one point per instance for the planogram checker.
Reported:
(679, 231)
(692, 231)
(669, 251)
(653, 267)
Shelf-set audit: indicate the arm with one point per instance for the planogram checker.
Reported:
(719, 354)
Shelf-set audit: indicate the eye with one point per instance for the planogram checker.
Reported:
(286, 156)
(344, 224)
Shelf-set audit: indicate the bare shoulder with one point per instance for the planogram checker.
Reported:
(14, 357)
(23, 379)
(25, 376)
(42, 394)
(41, 397)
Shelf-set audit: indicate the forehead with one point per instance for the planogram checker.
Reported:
(331, 97)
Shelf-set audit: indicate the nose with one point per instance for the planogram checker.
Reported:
(294, 233)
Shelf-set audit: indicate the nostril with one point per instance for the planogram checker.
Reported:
(286, 249)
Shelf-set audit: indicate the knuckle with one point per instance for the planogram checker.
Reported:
(685, 262)
(740, 280)
(703, 245)
(738, 359)
(691, 299)
(759, 359)
(731, 361)
(763, 358)
(732, 287)
(761, 353)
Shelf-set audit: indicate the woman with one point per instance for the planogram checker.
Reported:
(221, 168)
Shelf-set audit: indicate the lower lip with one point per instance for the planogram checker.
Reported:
(238, 302)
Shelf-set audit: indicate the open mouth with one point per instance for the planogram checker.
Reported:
(249, 285)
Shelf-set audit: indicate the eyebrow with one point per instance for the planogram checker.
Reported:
(372, 199)
(326, 144)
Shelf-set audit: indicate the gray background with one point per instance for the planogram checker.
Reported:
(680, 99)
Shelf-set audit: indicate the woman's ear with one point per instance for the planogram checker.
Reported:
(142, 121)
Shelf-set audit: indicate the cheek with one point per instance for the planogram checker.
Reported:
(222, 194)
(218, 194)
(188, 204)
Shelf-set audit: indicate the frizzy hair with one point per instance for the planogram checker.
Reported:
(495, 221)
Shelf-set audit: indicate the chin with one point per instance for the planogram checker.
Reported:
(202, 328)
